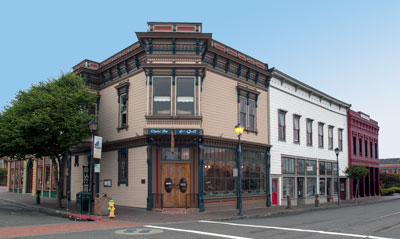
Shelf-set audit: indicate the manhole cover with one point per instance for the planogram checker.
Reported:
(138, 231)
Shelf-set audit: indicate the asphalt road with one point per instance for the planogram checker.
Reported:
(380, 220)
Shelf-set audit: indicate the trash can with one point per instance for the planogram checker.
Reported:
(82, 202)
(101, 204)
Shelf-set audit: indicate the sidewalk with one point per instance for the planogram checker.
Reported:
(137, 215)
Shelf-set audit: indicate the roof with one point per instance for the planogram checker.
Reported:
(389, 161)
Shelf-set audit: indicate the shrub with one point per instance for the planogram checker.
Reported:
(390, 191)
(3, 171)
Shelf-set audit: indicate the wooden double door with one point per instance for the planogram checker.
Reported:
(175, 184)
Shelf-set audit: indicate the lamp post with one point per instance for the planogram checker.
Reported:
(239, 131)
(338, 180)
(93, 128)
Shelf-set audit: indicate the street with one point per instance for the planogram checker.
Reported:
(379, 220)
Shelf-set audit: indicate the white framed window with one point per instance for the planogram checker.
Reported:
(185, 96)
(252, 115)
(242, 111)
(321, 135)
(309, 132)
(282, 124)
(161, 95)
(296, 128)
(330, 137)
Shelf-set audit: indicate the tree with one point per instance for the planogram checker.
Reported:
(357, 172)
(47, 120)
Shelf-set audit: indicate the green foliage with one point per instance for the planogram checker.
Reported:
(48, 119)
(3, 172)
(356, 171)
(389, 191)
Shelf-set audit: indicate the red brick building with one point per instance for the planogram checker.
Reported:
(363, 150)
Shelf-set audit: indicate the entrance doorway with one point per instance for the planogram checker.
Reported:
(274, 191)
(300, 191)
(342, 189)
(175, 184)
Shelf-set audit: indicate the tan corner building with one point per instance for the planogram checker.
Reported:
(167, 107)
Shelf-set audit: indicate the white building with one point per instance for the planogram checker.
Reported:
(306, 126)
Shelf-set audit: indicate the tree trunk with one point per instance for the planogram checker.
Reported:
(58, 177)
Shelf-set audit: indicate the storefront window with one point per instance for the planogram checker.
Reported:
(12, 174)
(179, 154)
(322, 186)
(321, 168)
(311, 186)
(218, 171)
(253, 172)
(335, 185)
(288, 187)
(288, 166)
(311, 167)
(54, 177)
(300, 166)
(329, 186)
(16, 179)
(329, 168)
(47, 175)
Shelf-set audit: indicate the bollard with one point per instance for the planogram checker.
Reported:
(316, 200)
(111, 208)
(38, 197)
(289, 202)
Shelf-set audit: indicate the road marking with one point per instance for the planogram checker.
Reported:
(375, 218)
(297, 230)
(197, 232)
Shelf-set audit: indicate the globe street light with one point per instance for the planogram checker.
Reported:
(93, 128)
(338, 180)
(239, 131)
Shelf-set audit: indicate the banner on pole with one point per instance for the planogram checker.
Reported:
(98, 142)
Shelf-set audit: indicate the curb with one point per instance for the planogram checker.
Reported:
(291, 212)
(58, 213)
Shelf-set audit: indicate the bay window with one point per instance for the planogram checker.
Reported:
(185, 96)
(162, 96)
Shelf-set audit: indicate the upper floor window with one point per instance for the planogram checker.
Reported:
(162, 96)
(376, 150)
(370, 150)
(247, 104)
(282, 124)
(185, 96)
(123, 110)
(242, 111)
(360, 145)
(366, 148)
(322, 168)
(309, 132)
(321, 135)
(330, 137)
(123, 93)
(296, 128)
(340, 139)
(354, 145)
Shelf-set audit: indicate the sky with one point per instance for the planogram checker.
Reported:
(347, 49)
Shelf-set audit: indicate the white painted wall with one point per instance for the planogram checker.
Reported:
(286, 97)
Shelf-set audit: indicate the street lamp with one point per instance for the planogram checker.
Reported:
(93, 128)
(338, 180)
(239, 131)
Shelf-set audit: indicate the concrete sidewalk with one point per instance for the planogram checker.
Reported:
(138, 215)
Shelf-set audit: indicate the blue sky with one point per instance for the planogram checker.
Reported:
(347, 49)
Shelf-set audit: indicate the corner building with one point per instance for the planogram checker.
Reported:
(167, 106)
(306, 126)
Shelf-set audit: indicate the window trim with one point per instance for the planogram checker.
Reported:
(280, 138)
(171, 97)
(311, 132)
(296, 117)
(321, 134)
(340, 139)
(123, 90)
(330, 137)
(247, 94)
(120, 181)
(174, 88)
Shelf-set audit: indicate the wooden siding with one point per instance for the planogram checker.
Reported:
(220, 109)
(109, 110)
(77, 174)
(135, 194)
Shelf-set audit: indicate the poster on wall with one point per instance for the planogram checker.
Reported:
(97, 147)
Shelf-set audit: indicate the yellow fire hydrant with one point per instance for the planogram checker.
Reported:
(111, 208)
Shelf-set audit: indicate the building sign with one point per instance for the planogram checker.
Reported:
(98, 142)
(310, 168)
(177, 131)
(159, 131)
(366, 117)
(187, 131)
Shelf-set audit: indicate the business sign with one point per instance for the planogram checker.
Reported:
(310, 168)
(159, 131)
(98, 142)
(187, 131)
